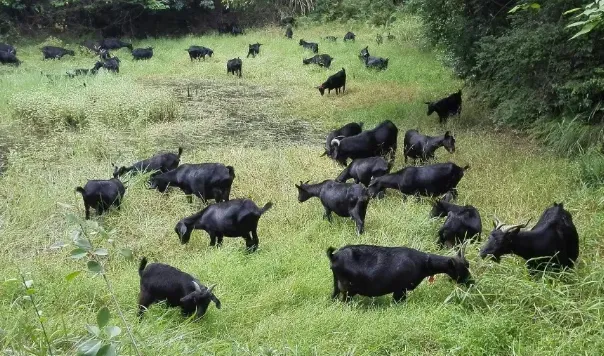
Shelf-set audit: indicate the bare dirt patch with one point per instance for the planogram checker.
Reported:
(219, 112)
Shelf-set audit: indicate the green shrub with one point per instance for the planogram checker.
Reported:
(592, 168)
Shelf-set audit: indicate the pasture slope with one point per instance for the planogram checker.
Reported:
(270, 126)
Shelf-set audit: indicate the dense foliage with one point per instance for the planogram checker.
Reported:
(524, 65)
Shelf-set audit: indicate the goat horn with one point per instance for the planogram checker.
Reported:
(335, 141)
(211, 288)
(197, 287)
(498, 223)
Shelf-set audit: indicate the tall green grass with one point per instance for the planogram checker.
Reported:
(270, 126)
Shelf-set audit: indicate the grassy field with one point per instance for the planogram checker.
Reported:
(55, 133)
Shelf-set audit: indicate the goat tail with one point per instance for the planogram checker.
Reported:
(80, 190)
(179, 151)
(266, 207)
(330, 251)
(231, 171)
(142, 266)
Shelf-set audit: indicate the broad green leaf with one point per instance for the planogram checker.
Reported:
(571, 11)
(127, 253)
(70, 277)
(107, 350)
(29, 283)
(535, 6)
(57, 245)
(30, 291)
(89, 348)
(73, 219)
(575, 24)
(112, 331)
(78, 253)
(102, 317)
(101, 252)
(76, 234)
(83, 244)
(94, 330)
(586, 29)
(514, 9)
(94, 266)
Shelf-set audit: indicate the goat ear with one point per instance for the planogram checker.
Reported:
(448, 134)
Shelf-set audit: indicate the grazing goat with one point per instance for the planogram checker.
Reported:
(463, 222)
(9, 58)
(289, 33)
(331, 38)
(378, 63)
(552, 242)
(347, 130)
(446, 107)
(161, 282)
(94, 46)
(112, 65)
(234, 66)
(160, 163)
(380, 141)
(101, 195)
(51, 52)
(362, 170)
(114, 43)
(253, 50)
(197, 52)
(8, 48)
(374, 271)
(142, 53)
(206, 181)
(336, 81)
(349, 36)
(364, 54)
(432, 180)
(344, 199)
(234, 218)
(323, 60)
(418, 146)
(310, 45)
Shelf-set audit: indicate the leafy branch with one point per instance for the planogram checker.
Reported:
(593, 15)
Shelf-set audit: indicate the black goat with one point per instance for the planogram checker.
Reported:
(52, 52)
(432, 180)
(446, 107)
(253, 50)
(344, 199)
(349, 36)
(160, 163)
(336, 81)
(8, 48)
(197, 52)
(378, 63)
(362, 170)
(289, 33)
(349, 129)
(9, 58)
(234, 66)
(418, 146)
(206, 181)
(142, 53)
(159, 282)
(364, 54)
(234, 218)
(553, 241)
(101, 195)
(94, 46)
(380, 141)
(373, 271)
(331, 38)
(114, 43)
(323, 60)
(112, 65)
(310, 45)
(463, 222)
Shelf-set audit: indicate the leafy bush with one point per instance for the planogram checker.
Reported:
(376, 12)
(522, 64)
